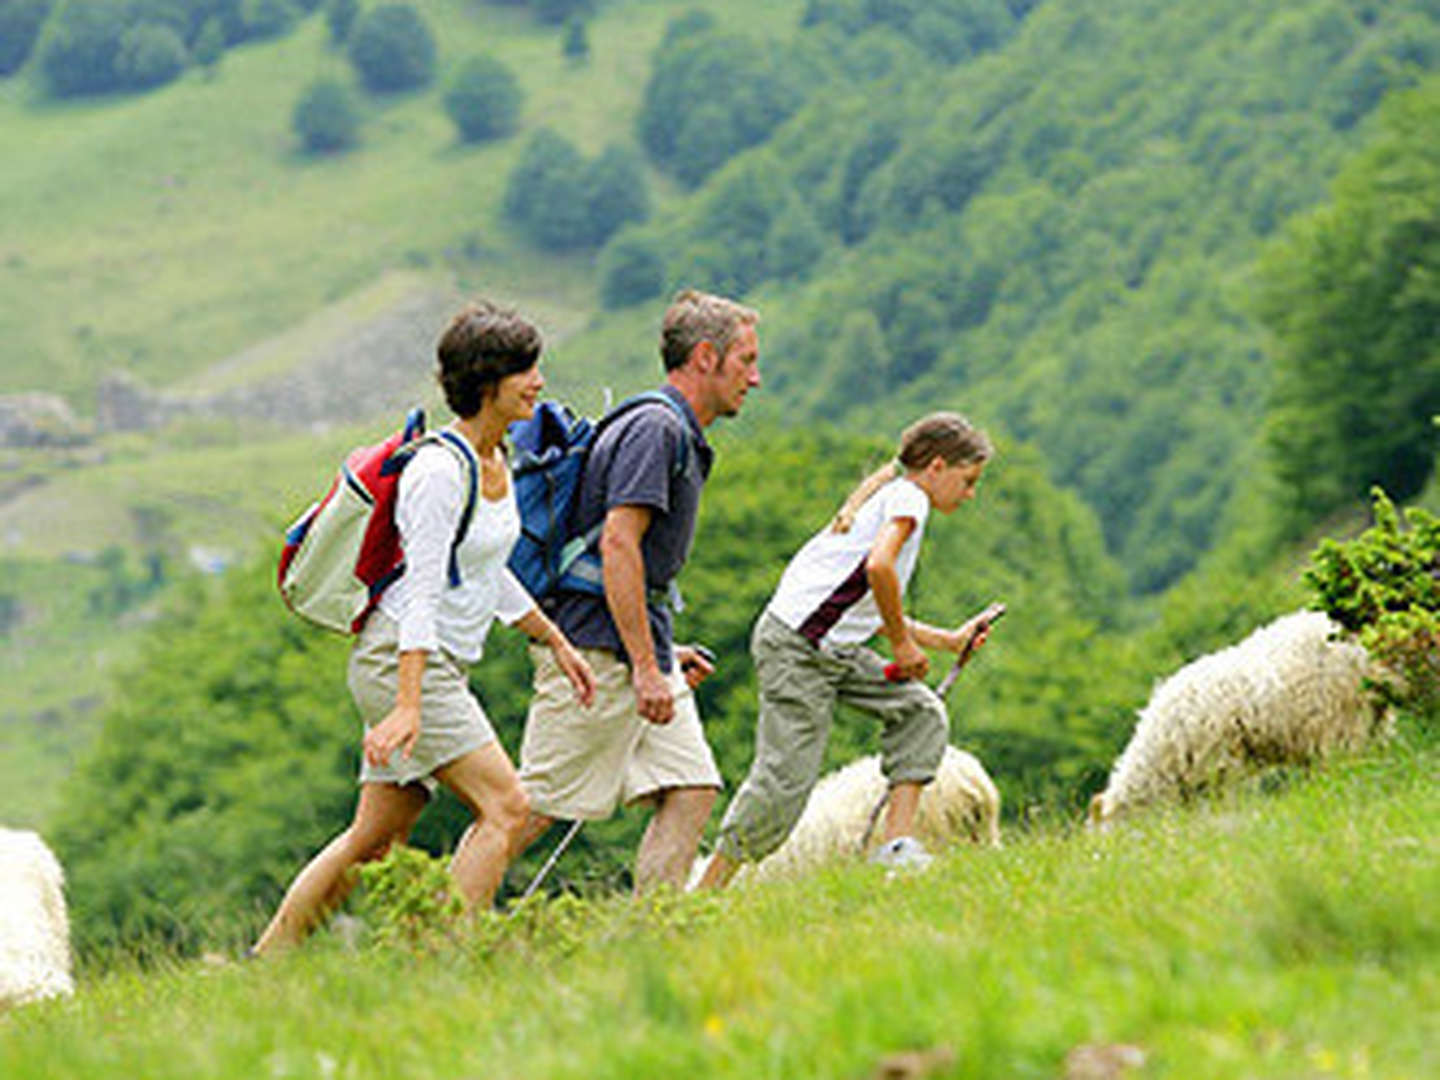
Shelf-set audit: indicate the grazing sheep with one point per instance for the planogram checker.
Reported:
(34, 931)
(961, 802)
(1287, 694)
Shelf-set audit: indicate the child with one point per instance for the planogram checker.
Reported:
(842, 587)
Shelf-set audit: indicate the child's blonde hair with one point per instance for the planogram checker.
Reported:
(946, 435)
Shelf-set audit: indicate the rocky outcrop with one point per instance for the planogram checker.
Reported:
(29, 420)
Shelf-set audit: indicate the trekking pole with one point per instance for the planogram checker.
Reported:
(892, 673)
(544, 871)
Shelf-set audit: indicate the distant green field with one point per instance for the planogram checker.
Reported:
(1292, 937)
(161, 233)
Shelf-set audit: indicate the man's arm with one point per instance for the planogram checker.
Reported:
(624, 573)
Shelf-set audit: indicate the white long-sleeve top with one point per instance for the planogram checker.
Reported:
(431, 613)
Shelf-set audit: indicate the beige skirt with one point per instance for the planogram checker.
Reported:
(452, 723)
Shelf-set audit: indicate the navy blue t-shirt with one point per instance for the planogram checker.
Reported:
(633, 463)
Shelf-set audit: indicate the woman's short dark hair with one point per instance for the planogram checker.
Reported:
(482, 345)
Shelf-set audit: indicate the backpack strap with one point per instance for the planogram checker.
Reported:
(458, 446)
(575, 557)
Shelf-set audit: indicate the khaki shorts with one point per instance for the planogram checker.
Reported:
(579, 763)
(452, 724)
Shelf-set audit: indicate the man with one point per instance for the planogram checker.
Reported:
(641, 741)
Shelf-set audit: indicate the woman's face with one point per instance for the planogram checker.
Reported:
(515, 395)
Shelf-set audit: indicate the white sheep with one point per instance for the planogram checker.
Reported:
(34, 929)
(960, 803)
(1287, 694)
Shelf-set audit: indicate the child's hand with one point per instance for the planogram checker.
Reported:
(910, 660)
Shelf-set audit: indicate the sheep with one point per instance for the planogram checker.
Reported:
(34, 929)
(1290, 693)
(960, 802)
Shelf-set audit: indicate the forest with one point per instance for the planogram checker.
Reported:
(1183, 263)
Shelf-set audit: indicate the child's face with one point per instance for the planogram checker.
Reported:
(951, 485)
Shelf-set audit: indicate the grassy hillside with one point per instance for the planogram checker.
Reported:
(1291, 935)
(162, 232)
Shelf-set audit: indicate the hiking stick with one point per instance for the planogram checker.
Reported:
(892, 672)
(544, 871)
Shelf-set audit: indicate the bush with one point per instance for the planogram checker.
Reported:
(340, 17)
(392, 49)
(631, 270)
(79, 45)
(575, 45)
(149, 56)
(326, 117)
(544, 195)
(1384, 587)
(484, 99)
(615, 193)
(556, 12)
(20, 23)
(264, 19)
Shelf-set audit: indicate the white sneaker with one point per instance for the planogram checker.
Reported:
(902, 853)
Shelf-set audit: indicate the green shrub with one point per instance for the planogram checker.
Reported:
(265, 19)
(484, 99)
(631, 270)
(1384, 587)
(326, 117)
(408, 898)
(20, 23)
(392, 49)
(150, 55)
(79, 45)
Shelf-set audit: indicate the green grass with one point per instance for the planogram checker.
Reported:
(1293, 935)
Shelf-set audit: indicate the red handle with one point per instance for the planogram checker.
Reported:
(892, 673)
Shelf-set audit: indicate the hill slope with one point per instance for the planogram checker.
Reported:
(1286, 936)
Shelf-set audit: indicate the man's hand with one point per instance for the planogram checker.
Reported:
(653, 699)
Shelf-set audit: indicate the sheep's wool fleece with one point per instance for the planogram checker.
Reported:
(1287, 694)
(34, 929)
(960, 803)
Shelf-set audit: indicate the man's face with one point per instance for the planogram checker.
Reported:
(736, 373)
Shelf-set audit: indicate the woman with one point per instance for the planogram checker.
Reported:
(843, 587)
(408, 666)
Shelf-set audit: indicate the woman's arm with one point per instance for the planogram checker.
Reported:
(538, 627)
(401, 727)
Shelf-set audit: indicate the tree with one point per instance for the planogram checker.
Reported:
(326, 117)
(266, 19)
(1352, 295)
(79, 45)
(149, 56)
(209, 47)
(631, 270)
(544, 196)
(616, 192)
(575, 44)
(392, 49)
(484, 99)
(340, 16)
(556, 12)
(20, 23)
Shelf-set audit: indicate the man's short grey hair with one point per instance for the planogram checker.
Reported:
(693, 317)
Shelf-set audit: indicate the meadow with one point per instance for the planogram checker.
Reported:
(1285, 930)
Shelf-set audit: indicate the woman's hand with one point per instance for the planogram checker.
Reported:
(576, 668)
(398, 731)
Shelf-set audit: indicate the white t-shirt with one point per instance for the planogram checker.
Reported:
(824, 593)
(429, 612)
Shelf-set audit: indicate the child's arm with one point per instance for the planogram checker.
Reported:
(884, 580)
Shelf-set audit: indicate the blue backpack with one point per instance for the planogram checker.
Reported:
(551, 449)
